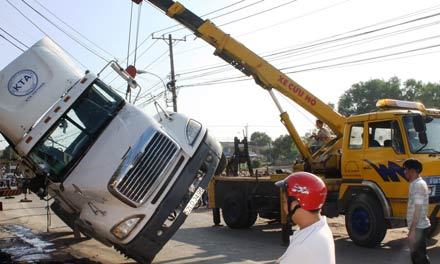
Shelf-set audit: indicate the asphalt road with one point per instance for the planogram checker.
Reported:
(23, 236)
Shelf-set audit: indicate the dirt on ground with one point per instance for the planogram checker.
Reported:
(24, 239)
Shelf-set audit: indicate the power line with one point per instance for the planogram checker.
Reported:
(7, 33)
(312, 48)
(295, 18)
(368, 59)
(221, 15)
(209, 13)
(354, 42)
(42, 31)
(12, 43)
(65, 32)
(140, 55)
(314, 52)
(358, 34)
(386, 57)
(328, 37)
(73, 29)
(258, 13)
(363, 52)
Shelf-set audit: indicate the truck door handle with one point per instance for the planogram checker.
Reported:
(399, 160)
(367, 168)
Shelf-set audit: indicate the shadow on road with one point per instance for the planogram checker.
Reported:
(261, 244)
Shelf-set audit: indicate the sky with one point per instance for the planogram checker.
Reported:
(314, 40)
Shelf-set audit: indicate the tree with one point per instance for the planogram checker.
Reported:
(428, 94)
(260, 139)
(362, 97)
(284, 149)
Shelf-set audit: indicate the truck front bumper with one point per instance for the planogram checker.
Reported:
(170, 215)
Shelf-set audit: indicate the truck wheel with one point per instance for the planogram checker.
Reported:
(236, 213)
(435, 228)
(365, 221)
(67, 218)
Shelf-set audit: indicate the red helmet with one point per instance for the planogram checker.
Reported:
(307, 188)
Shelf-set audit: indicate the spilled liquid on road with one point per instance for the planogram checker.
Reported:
(19, 245)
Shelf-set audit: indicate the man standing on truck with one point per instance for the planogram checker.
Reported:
(322, 136)
(313, 243)
(417, 211)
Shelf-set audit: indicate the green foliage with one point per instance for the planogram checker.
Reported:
(283, 149)
(362, 97)
(256, 163)
(260, 139)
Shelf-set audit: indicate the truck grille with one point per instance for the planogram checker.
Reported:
(148, 168)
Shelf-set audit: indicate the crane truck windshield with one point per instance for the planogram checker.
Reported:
(74, 132)
(432, 132)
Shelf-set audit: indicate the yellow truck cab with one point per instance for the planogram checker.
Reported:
(373, 186)
(361, 166)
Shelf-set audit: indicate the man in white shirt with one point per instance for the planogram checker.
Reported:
(323, 136)
(313, 243)
(417, 211)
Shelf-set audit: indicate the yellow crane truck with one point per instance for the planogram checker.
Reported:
(362, 165)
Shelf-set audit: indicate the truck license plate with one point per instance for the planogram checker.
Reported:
(190, 206)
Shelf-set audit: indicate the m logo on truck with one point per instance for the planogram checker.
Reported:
(23, 83)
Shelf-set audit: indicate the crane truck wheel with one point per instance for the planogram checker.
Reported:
(435, 227)
(365, 221)
(236, 212)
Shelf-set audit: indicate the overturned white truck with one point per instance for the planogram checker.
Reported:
(115, 174)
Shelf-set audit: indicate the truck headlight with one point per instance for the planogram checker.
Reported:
(193, 129)
(124, 228)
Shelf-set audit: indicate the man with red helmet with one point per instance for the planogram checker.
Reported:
(313, 243)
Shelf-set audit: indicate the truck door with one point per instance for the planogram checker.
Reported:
(352, 160)
(383, 159)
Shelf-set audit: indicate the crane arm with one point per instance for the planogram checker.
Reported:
(251, 64)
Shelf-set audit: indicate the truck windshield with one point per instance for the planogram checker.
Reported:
(76, 130)
(432, 132)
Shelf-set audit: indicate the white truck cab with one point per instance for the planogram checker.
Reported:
(116, 174)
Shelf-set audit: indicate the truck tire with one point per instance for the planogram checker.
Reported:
(68, 219)
(435, 228)
(365, 221)
(236, 212)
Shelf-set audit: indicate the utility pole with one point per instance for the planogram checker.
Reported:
(171, 85)
(173, 76)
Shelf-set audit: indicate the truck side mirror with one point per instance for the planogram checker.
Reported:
(419, 124)
(423, 138)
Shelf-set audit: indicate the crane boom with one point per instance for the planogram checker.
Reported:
(251, 64)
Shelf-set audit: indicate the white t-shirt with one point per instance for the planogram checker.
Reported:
(311, 245)
(418, 195)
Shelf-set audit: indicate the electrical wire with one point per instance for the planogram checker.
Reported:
(42, 31)
(314, 52)
(209, 13)
(288, 54)
(221, 15)
(425, 10)
(65, 32)
(385, 57)
(11, 36)
(366, 59)
(73, 29)
(12, 43)
(258, 13)
(362, 52)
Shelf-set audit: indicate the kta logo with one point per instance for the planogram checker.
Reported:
(23, 83)
(390, 173)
